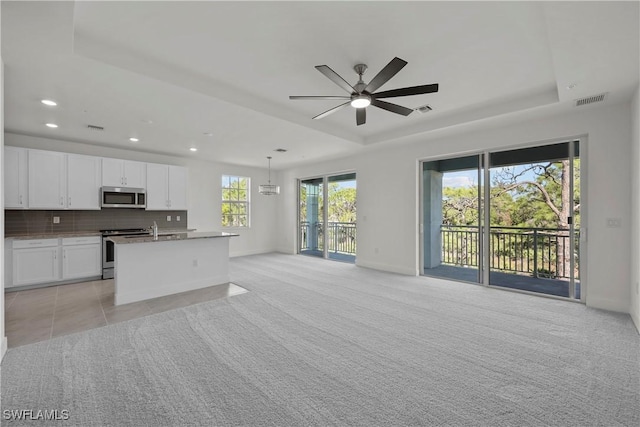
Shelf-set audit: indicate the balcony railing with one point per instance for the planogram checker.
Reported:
(539, 252)
(341, 237)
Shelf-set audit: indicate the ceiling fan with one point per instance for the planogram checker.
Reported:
(361, 95)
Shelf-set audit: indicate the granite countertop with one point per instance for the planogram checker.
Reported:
(163, 237)
(55, 235)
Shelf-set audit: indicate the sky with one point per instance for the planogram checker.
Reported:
(470, 177)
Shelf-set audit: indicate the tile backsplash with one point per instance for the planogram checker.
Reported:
(25, 222)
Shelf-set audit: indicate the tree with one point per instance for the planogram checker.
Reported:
(547, 198)
(533, 196)
(342, 203)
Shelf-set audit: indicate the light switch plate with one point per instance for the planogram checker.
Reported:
(177, 217)
(168, 218)
(56, 220)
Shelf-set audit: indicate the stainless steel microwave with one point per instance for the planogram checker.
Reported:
(121, 197)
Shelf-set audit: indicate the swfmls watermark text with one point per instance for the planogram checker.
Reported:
(35, 414)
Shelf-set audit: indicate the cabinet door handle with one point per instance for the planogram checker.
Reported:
(21, 199)
(55, 254)
(125, 180)
(69, 201)
(61, 201)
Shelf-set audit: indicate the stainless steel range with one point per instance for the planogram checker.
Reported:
(108, 249)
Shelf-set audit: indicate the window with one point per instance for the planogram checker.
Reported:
(235, 201)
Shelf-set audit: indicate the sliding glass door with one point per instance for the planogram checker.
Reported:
(519, 231)
(452, 218)
(328, 230)
(311, 217)
(535, 219)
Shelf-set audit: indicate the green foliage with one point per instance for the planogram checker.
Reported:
(516, 201)
(235, 201)
(342, 204)
(341, 207)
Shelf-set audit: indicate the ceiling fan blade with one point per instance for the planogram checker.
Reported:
(319, 97)
(407, 91)
(390, 70)
(334, 77)
(394, 108)
(361, 116)
(331, 111)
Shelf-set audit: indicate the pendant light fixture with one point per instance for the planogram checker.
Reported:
(269, 189)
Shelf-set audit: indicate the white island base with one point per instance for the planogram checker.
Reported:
(148, 268)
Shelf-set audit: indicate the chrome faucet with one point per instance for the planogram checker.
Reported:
(155, 230)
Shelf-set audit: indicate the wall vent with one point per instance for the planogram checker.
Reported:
(590, 99)
(424, 109)
(94, 127)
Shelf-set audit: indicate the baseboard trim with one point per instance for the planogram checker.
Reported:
(407, 271)
(607, 304)
(248, 253)
(4, 348)
(636, 320)
(145, 294)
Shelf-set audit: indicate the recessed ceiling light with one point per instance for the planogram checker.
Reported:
(52, 125)
(193, 149)
(49, 102)
(208, 134)
(149, 122)
(571, 85)
(134, 139)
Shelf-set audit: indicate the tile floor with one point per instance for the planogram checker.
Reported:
(40, 314)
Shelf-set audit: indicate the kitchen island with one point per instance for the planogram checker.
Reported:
(149, 267)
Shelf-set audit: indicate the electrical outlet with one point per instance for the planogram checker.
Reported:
(56, 220)
(614, 222)
(178, 218)
(168, 218)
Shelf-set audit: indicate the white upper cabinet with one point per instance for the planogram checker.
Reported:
(177, 188)
(83, 182)
(47, 179)
(166, 187)
(123, 173)
(15, 178)
(157, 187)
(63, 181)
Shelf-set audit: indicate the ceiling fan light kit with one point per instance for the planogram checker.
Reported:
(362, 94)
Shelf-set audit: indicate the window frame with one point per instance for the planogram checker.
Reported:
(239, 207)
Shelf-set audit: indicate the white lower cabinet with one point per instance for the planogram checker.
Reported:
(35, 261)
(81, 257)
(40, 261)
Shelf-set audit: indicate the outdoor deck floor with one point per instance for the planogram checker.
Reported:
(505, 280)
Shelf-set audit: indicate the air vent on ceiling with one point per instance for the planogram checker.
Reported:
(424, 109)
(590, 99)
(280, 150)
(94, 127)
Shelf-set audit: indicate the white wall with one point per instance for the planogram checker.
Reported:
(204, 211)
(388, 194)
(3, 338)
(635, 211)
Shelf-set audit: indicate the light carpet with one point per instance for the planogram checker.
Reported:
(320, 343)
